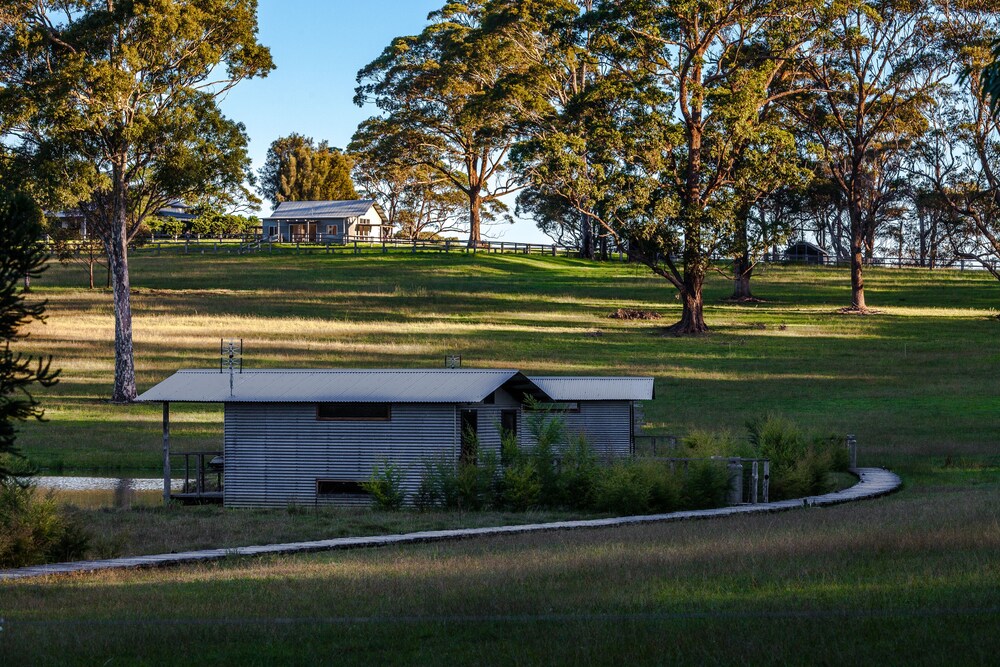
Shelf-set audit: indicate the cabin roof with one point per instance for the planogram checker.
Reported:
(578, 388)
(386, 386)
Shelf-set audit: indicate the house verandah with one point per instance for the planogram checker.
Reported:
(311, 437)
(327, 222)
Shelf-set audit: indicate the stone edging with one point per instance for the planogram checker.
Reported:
(873, 482)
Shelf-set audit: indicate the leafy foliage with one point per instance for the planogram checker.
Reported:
(386, 486)
(34, 531)
(21, 255)
(298, 169)
(118, 99)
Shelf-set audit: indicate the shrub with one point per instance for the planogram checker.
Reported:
(622, 490)
(438, 485)
(521, 489)
(705, 485)
(34, 531)
(386, 486)
(579, 475)
(799, 463)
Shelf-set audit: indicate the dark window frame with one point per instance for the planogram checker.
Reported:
(339, 487)
(357, 418)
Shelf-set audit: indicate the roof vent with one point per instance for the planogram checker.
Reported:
(453, 361)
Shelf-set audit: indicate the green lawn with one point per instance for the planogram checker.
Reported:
(909, 579)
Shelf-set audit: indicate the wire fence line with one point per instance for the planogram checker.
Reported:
(366, 245)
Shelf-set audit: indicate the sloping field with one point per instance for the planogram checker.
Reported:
(909, 579)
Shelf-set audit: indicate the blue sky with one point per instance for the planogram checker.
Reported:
(318, 48)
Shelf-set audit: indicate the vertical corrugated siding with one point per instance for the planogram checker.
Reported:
(276, 452)
(607, 426)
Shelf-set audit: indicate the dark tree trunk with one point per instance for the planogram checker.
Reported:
(117, 250)
(742, 272)
(475, 219)
(90, 266)
(693, 315)
(586, 239)
(857, 262)
(742, 266)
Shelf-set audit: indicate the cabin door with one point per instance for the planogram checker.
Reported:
(469, 422)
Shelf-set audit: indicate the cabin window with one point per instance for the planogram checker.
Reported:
(353, 411)
(332, 229)
(339, 487)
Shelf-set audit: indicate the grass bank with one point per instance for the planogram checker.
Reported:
(916, 383)
(909, 579)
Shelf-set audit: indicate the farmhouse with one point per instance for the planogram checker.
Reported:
(327, 222)
(310, 437)
(805, 252)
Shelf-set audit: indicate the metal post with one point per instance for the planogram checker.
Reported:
(735, 481)
(200, 487)
(852, 450)
(166, 452)
(766, 486)
(754, 481)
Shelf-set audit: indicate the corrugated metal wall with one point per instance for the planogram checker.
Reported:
(275, 452)
(607, 426)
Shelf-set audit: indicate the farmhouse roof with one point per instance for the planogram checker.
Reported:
(386, 386)
(322, 210)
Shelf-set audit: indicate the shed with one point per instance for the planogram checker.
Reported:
(806, 253)
(334, 221)
(310, 437)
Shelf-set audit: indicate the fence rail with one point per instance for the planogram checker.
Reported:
(241, 245)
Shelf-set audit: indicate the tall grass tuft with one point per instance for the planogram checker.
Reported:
(33, 530)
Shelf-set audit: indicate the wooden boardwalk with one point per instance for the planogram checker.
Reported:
(873, 482)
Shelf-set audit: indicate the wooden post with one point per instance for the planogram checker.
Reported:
(852, 450)
(166, 452)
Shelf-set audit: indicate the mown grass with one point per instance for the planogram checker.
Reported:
(911, 579)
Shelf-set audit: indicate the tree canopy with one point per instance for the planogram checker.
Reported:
(118, 97)
(21, 255)
(299, 169)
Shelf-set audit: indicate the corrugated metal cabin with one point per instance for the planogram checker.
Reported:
(327, 222)
(310, 437)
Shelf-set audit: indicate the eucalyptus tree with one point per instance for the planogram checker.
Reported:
(873, 75)
(416, 197)
(962, 152)
(657, 148)
(298, 169)
(438, 94)
(119, 96)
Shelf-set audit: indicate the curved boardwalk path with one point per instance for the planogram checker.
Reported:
(873, 482)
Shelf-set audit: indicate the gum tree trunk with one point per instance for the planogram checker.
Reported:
(857, 262)
(117, 249)
(475, 219)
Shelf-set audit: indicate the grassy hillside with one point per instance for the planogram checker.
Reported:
(913, 578)
(916, 383)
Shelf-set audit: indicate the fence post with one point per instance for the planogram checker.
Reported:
(765, 488)
(852, 450)
(735, 481)
(754, 481)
